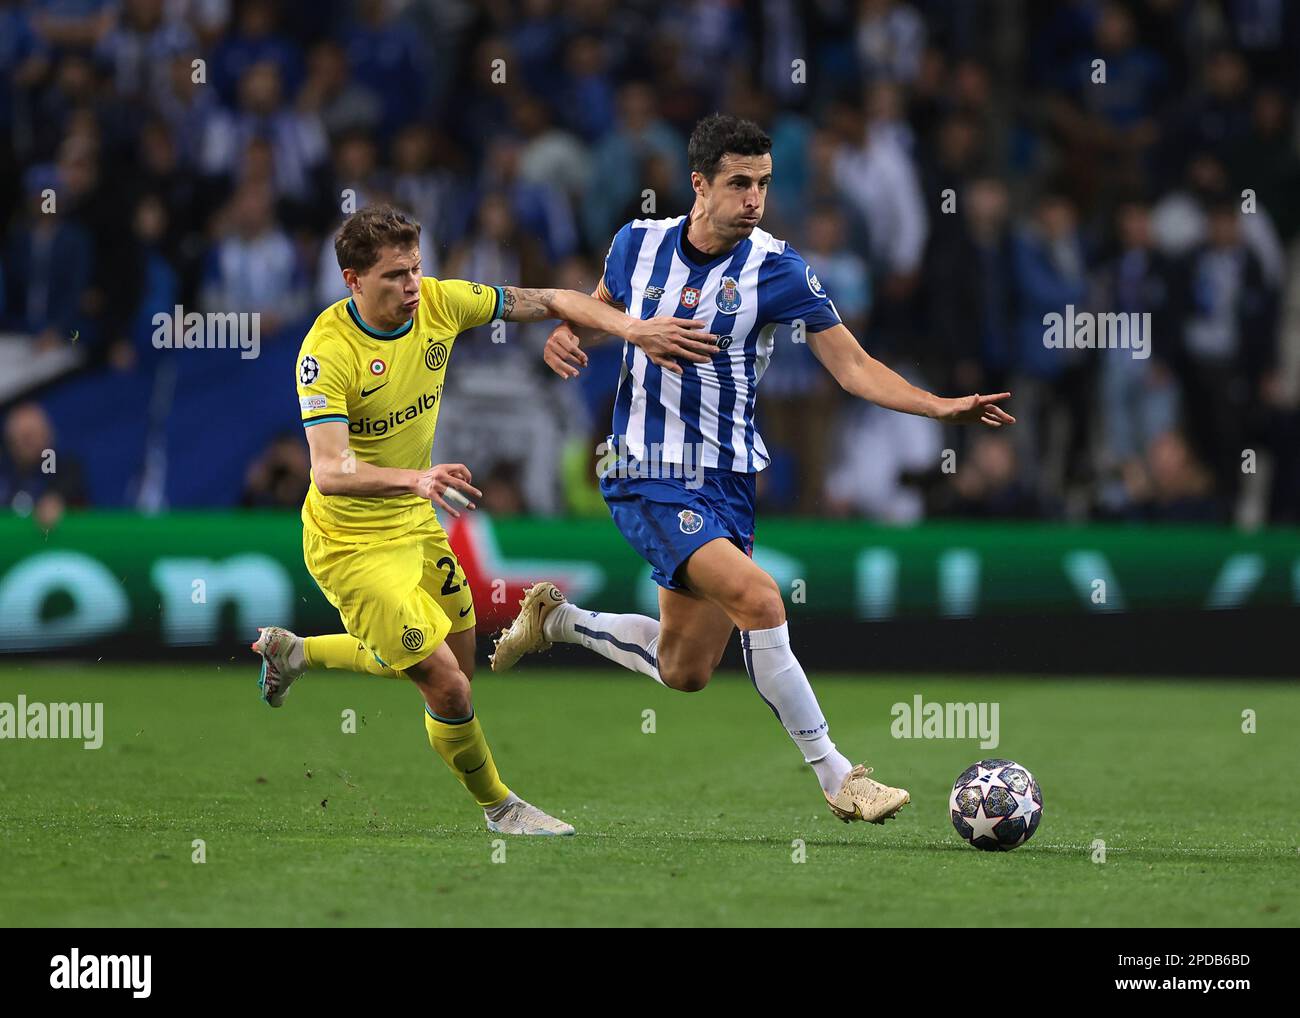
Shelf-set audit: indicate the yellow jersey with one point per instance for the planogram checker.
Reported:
(387, 388)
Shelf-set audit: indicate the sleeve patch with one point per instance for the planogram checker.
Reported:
(313, 402)
(308, 370)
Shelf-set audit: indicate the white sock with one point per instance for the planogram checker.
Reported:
(781, 683)
(499, 810)
(629, 640)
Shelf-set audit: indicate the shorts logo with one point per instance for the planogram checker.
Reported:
(555, 595)
(378, 367)
(728, 298)
(690, 296)
(308, 370)
(724, 342)
(691, 523)
(813, 284)
(412, 639)
(435, 356)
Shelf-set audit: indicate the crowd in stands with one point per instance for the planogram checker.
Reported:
(954, 173)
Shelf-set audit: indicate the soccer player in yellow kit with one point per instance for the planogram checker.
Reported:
(370, 380)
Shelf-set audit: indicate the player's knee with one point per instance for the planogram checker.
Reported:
(759, 605)
(685, 678)
(443, 685)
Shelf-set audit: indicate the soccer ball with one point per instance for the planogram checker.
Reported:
(996, 805)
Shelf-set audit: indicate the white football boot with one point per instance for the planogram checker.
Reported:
(525, 635)
(277, 646)
(519, 817)
(861, 798)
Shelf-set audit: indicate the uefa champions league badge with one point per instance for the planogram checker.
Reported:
(728, 298)
(690, 522)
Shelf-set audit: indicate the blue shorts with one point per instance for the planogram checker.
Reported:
(666, 520)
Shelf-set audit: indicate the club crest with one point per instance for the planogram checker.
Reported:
(728, 299)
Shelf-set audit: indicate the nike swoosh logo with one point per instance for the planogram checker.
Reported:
(464, 612)
(371, 392)
(479, 767)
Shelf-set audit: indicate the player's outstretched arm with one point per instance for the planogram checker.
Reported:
(664, 339)
(861, 375)
(337, 471)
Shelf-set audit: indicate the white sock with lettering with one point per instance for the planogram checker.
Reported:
(781, 683)
(629, 640)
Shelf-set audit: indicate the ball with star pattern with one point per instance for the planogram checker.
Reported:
(996, 805)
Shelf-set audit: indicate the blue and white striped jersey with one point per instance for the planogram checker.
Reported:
(705, 416)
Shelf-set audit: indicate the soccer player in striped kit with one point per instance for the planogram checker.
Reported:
(681, 486)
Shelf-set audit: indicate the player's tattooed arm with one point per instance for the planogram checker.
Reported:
(861, 375)
(665, 340)
(523, 305)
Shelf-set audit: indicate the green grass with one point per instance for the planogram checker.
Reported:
(694, 824)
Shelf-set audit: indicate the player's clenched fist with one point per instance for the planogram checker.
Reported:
(435, 483)
(562, 353)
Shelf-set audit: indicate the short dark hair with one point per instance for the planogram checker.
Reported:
(367, 232)
(719, 134)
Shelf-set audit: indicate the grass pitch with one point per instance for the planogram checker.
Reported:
(696, 823)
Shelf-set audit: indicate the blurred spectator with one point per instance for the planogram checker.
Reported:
(253, 41)
(49, 261)
(798, 394)
(968, 342)
(140, 46)
(497, 250)
(330, 94)
(878, 177)
(297, 140)
(890, 40)
(638, 133)
(253, 266)
(36, 479)
(877, 461)
(1139, 396)
(987, 484)
(1179, 219)
(278, 479)
(1227, 342)
(386, 57)
(1171, 486)
(1049, 384)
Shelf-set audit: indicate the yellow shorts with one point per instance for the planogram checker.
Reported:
(399, 597)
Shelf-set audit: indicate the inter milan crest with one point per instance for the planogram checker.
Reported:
(308, 370)
(728, 296)
(690, 522)
(435, 356)
(412, 639)
(690, 296)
